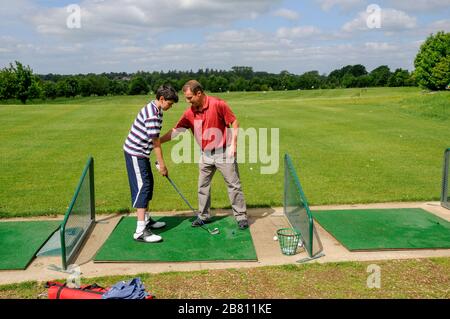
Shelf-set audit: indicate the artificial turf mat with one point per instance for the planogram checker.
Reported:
(181, 242)
(20, 241)
(383, 229)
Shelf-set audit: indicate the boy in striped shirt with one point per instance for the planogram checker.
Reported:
(141, 140)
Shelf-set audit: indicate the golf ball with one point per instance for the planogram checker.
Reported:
(275, 238)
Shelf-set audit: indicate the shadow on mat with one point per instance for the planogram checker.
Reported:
(174, 221)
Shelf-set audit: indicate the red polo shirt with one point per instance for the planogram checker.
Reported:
(209, 124)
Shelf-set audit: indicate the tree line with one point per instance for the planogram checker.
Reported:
(19, 82)
(432, 71)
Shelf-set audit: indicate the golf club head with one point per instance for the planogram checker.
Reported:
(215, 231)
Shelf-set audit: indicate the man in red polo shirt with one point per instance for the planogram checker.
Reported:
(208, 118)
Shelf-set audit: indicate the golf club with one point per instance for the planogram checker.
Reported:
(215, 231)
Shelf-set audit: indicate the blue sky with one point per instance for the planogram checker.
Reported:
(269, 35)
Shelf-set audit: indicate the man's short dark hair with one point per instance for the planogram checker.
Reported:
(194, 86)
(168, 92)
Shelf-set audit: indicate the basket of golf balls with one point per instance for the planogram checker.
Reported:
(289, 240)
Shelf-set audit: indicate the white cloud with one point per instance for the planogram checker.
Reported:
(129, 35)
(130, 50)
(287, 14)
(297, 32)
(129, 17)
(245, 38)
(440, 25)
(343, 4)
(180, 47)
(11, 12)
(380, 46)
(391, 20)
(420, 5)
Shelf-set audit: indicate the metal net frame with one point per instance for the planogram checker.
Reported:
(80, 216)
(445, 196)
(297, 211)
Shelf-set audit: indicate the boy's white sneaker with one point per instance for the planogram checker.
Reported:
(147, 237)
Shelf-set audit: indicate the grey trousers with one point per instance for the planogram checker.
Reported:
(208, 165)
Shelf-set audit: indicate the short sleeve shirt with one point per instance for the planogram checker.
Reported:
(209, 125)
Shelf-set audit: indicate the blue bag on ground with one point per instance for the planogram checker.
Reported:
(133, 289)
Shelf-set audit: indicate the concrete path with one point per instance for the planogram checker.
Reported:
(263, 225)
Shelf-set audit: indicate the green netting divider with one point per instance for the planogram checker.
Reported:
(445, 196)
(80, 216)
(297, 211)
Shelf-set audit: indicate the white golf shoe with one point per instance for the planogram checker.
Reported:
(147, 237)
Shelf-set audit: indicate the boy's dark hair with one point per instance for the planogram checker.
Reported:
(168, 92)
(194, 86)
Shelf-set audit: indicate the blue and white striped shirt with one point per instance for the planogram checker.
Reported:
(146, 126)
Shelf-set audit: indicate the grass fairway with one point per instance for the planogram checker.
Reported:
(419, 278)
(349, 146)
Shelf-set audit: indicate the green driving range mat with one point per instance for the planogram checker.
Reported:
(181, 242)
(378, 229)
(20, 241)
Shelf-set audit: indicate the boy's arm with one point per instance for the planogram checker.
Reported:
(159, 156)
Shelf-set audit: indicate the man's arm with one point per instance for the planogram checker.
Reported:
(169, 135)
(234, 138)
(159, 156)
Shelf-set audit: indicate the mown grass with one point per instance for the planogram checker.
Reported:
(349, 146)
(416, 278)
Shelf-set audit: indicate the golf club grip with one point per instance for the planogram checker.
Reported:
(178, 191)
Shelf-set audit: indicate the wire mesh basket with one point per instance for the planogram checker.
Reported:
(289, 240)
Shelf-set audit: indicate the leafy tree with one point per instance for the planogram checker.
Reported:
(138, 86)
(399, 78)
(363, 81)
(239, 84)
(440, 75)
(49, 90)
(8, 83)
(218, 84)
(349, 80)
(432, 62)
(117, 87)
(243, 71)
(25, 79)
(69, 87)
(86, 88)
(73, 87)
(309, 80)
(380, 76)
(36, 91)
(18, 81)
(348, 76)
(239, 78)
(358, 70)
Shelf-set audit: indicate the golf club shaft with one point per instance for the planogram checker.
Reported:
(186, 201)
(178, 191)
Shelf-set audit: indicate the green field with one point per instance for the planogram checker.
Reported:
(349, 146)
